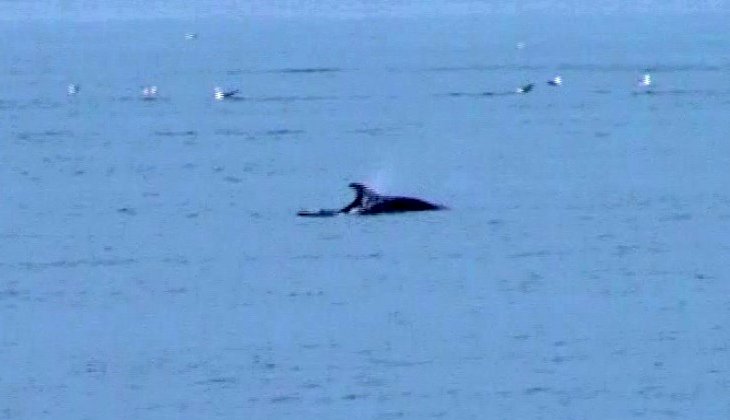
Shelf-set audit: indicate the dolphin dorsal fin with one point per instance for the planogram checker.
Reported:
(364, 197)
(363, 191)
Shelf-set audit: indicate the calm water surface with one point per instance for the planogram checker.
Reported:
(151, 265)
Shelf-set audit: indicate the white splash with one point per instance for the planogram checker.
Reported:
(73, 89)
(379, 181)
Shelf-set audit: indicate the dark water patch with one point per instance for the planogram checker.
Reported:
(353, 397)
(234, 132)
(677, 217)
(127, 211)
(176, 259)
(484, 68)
(146, 100)
(43, 136)
(369, 381)
(682, 92)
(560, 359)
(624, 250)
(536, 390)
(307, 70)
(95, 367)
(284, 398)
(374, 131)
(39, 104)
(233, 179)
(307, 257)
(282, 132)
(391, 415)
(287, 99)
(661, 68)
(665, 336)
(104, 262)
(287, 70)
(219, 381)
(530, 254)
(370, 256)
(249, 135)
(5, 104)
(171, 133)
(476, 94)
(307, 293)
(399, 363)
(9, 293)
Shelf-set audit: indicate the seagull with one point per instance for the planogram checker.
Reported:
(149, 92)
(219, 94)
(645, 80)
(526, 88)
(555, 81)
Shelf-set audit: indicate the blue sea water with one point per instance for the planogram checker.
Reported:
(152, 266)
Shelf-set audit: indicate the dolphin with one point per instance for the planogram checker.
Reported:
(368, 202)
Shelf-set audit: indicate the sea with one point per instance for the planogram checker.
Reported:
(153, 267)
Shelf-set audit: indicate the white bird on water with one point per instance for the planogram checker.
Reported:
(645, 80)
(219, 94)
(526, 88)
(149, 92)
(555, 81)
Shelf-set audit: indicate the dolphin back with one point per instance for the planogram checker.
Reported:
(399, 205)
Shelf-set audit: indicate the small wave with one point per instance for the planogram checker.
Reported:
(287, 70)
(399, 363)
(222, 381)
(294, 98)
(169, 133)
(233, 132)
(109, 262)
(253, 135)
(283, 132)
(475, 94)
(374, 131)
(4, 104)
(484, 68)
(667, 68)
(43, 136)
(285, 398)
(309, 70)
(529, 254)
(683, 92)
